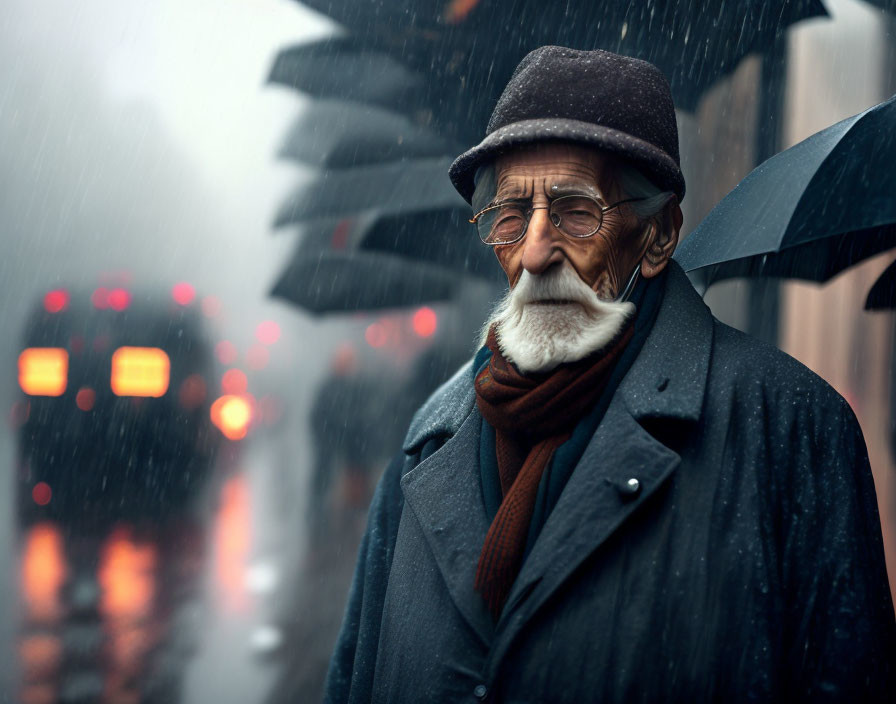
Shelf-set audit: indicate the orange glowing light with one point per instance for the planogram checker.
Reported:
(140, 371)
(43, 572)
(425, 322)
(85, 398)
(234, 381)
(56, 301)
(183, 293)
(232, 414)
(267, 332)
(126, 576)
(43, 371)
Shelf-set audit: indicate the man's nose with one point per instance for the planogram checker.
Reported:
(541, 243)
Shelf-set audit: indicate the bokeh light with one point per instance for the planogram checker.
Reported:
(85, 398)
(41, 493)
(56, 301)
(234, 381)
(118, 299)
(425, 322)
(267, 332)
(183, 293)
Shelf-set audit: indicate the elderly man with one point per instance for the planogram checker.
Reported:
(619, 499)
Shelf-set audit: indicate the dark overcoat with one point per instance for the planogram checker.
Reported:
(746, 565)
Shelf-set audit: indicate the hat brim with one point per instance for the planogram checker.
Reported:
(658, 166)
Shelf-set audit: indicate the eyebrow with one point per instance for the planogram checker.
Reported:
(572, 189)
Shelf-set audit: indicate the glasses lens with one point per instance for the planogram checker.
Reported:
(576, 216)
(502, 224)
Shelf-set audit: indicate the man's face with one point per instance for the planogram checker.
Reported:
(603, 261)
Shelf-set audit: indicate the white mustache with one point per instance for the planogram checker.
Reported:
(558, 285)
(538, 338)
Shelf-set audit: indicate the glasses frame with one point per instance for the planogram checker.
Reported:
(528, 212)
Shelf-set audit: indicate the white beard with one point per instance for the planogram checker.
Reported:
(537, 335)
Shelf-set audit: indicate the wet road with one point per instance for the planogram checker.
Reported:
(180, 613)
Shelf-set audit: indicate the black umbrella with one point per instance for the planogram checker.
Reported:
(332, 282)
(442, 237)
(337, 68)
(808, 212)
(469, 48)
(338, 134)
(882, 296)
(393, 187)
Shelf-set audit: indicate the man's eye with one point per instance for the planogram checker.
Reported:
(508, 220)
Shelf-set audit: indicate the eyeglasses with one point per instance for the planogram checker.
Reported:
(576, 216)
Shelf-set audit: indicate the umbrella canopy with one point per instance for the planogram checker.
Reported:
(334, 282)
(470, 47)
(442, 238)
(808, 212)
(338, 134)
(882, 295)
(393, 187)
(337, 68)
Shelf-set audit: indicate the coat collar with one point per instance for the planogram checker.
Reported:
(444, 411)
(667, 379)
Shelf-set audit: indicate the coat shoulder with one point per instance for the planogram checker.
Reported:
(444, 411)
(742, 363)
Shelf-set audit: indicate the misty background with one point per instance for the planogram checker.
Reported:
(137, 145)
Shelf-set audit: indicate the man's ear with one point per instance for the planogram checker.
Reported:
(663, 239)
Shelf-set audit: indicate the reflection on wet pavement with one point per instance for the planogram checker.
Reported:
(232, 542)
(100, 616)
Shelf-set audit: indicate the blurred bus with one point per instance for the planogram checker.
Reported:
(114, 421)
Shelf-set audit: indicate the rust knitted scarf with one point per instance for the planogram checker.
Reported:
(532, 416)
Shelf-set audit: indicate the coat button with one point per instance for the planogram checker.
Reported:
(480, 691)
(630, 487)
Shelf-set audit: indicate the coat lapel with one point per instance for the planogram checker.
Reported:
(594, 504)
(667, 380)
(445, 496)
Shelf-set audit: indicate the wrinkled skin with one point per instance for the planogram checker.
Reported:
(603, 261)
